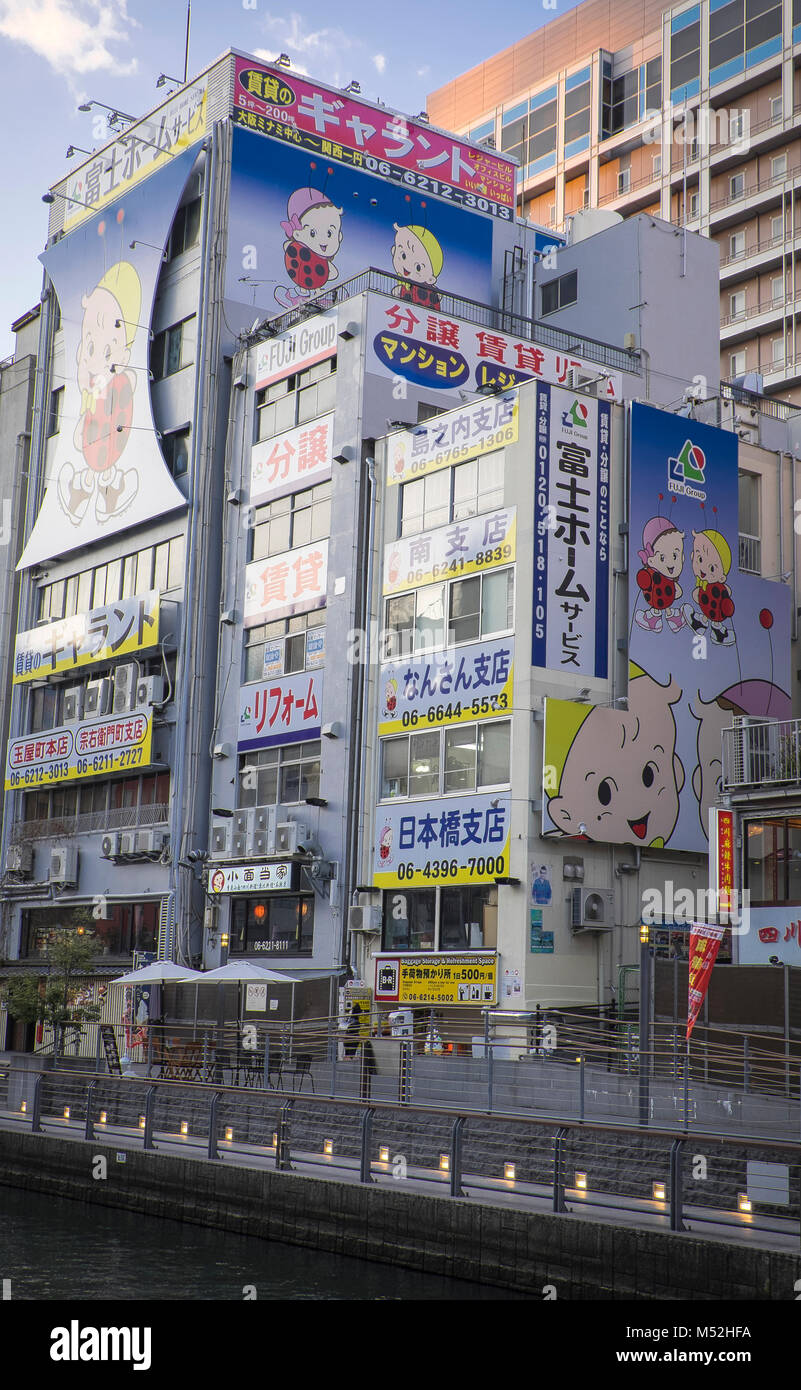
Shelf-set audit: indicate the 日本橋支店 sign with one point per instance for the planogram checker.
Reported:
(442, 841)
(116, 629)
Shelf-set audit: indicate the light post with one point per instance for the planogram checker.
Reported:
(645, 1022)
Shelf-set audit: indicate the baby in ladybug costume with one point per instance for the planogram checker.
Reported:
(711, 562)
(418, 259)
(314, 235)
(108, 329)
(662, 559)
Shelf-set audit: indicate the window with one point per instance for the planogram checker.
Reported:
(160, 567)
(656, 169)
(410, 920)
(692, 153)
(185, 228)
(279, 924)
(479, 606)
(749, 503)
(778, 166)
(776, 108)
(173, 349)
(426, 502)
(777, 289)
(577, 112)
(736, 245)
(777, 351)
(56, 407)
(623, 180)
(175, 448)
(295, 520)
(737, 304)
(448, 919)
(451, 494)
(737, 364)
(695, 204)
(284, 404)
(128, 927)
(685, 55)
(773, 861)
(445, 762)
(777, 228)
(283, 775)
(43, 708)
(558, 294)
(285, 646)
(736, 185)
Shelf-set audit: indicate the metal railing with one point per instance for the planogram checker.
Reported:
(777, 302)
(532, 330)
(765, 405)
(758, 186)
(759, 752)
(89, 822)
(749, 554)
(757, 249)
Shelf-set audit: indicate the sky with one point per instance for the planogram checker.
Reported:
(55, 54)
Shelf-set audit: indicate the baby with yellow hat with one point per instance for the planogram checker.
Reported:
(711, 562)
(418, 259)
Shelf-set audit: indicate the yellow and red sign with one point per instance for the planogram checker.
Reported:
(705, 942)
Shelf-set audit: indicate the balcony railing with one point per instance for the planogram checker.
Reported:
(751, 311)
(760, 753)
(758, 249)
(750, 554)
(749, 190)
(764, 405)
(121, 817)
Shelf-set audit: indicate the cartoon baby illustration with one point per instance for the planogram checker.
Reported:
(313, 229)
(711, 562)
(385, 844)
(755, 697)
(621, 776)
(390, 696)
(662, 558)
(108, 329)
(417, 258)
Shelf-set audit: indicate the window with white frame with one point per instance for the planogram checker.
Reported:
(736, 244)
(482, 605)
(778, 166)
(284, 775)
(285, 646)
(777, 228)
(737, 364)
(776, 108)
(737, 304)
(445, 762)
(736, 185)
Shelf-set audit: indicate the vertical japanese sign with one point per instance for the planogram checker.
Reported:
(721, 858)
(571, 530)
(704, 946)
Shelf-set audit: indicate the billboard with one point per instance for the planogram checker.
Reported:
(106, 471)
(772, 931)
(253, 878)
(446, 687)
(452, 438)
(74, 752)
(451, 552)
(331, 124)
(113, 630)
(571, 533)
(295, 459)
(299, 226)
(442, 841)
(309, 342)
(706, 642)
(453, 977)
(292, 582)
(441, 351)
(285, 710)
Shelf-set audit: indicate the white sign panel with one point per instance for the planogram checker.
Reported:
(308, 342)
(457, 435)
(292, 582)
(450, 552)
(298, 458)
(284, 710)
(251, 878)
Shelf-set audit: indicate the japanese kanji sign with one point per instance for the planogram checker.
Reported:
(298, 458)
(437, 350)
(74, 752)
(772, 931)
(253, 878)
(450, 552)
(444, 841)
(451, 978)
(288, 107)
(142, 149)
(292, 582)
(721, 858)
(705, 942)
(309, 342)
(116, 629)
(455, 686)
(284, 710)
(571, 533)
(452, 438)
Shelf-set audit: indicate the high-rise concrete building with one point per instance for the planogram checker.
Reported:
(689, 112)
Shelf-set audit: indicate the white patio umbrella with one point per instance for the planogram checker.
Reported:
(243, 971)
(157, 973)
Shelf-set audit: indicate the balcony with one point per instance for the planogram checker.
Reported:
(755, 318)
(750, 554)
(638, 194)
(91, 822)
(764, 754)
(756, 195)
(741, 265)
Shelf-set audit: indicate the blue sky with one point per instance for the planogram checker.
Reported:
(55, 54)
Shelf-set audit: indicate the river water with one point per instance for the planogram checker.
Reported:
(52, 1248)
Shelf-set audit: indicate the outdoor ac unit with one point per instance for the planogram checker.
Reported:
(150, 690)
(366, 919)
(124, 687)
(110, 846)
(73, 704)
(242, 837)
(128, 842)
(98, 696)
(64, 865)
(288, 836)
(19, 859)
(151, 841)
(221, 837)
(592, 909)
(261, 842)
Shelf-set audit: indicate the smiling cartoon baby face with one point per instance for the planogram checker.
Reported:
(668, 556)
(706, 561)
(622, 777)
(410, 258)
(103, 347)
(321, 229)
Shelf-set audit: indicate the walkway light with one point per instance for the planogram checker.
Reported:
(743, 1202)
(23, 1110)
(383, 1154)
(659, 1191)
(103, 1117)
(581, 1181)
(445, 1163)
(328, 1147)
(509, 1172)
(66, 1112)
(229, 1134)
(184, 1127)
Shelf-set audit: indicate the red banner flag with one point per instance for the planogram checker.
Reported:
(705, 942)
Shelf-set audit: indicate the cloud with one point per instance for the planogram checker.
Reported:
(73, 36)
(267, 56)
(314, 44)
(380, 61)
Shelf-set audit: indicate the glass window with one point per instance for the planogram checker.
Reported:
(410, 920)
(113, 579)
(497, 602)
(430, 617)
(161, 566)
(185, 228)
(56, 407)
(764, 840)
(175, 577)
(299, 772)
(468, 918)
(175, 448)
(460, 759)
(71, 596)
(398, 640)
(794, 860)
(736, 185)
(424, 764)
(464, 621)
(395, 767)
(144, 570)
(493, 754)
(778, 166)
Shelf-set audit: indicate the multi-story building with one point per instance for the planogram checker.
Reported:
(690, 112)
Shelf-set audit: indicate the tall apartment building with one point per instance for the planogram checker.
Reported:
(689, 112)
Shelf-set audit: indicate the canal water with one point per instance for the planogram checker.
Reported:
(52, 1248)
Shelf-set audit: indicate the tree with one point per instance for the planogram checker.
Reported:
(52, 1000)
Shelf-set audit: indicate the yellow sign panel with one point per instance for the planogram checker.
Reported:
(451, 552)
(103, 634)
(75, 752)
(448, 979)
(452, 438)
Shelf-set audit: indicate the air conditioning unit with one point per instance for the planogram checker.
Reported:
(150, 690)
(98, 696)
(288, 836)
(124, 687)
(261, 843)
(242, 837)
(73, 704)
(110, 846)
(592, 909)
(19, 859)
(262, 836)
(366, 919)
(221, 837)
(128, 842)
(64, 866)
(151, 841)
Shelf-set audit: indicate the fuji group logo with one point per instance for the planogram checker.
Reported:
(577, 416)
(686, 470)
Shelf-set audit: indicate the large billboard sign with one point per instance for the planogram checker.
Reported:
(571, 533)
(451, 438)
(442, 841)
(440, 351)
(103, 634)
(284, 710)
(286, 106)
(295, 459)
(454, 686)
(74, 752)
(106, 469)
(309, 342)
